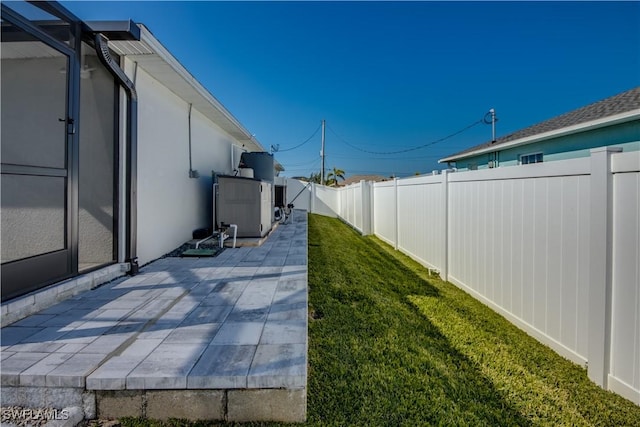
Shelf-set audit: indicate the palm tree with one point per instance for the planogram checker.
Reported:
(334, 176)
(314, 177)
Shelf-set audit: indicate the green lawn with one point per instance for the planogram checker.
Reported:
(390, 345)
(395, 346)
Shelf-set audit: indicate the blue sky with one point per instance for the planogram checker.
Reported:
(389, 76)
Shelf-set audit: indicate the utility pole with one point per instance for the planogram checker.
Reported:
(493, 119)
(493, 124)
(322, 155)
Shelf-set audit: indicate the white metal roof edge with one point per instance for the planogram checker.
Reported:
(581, 127)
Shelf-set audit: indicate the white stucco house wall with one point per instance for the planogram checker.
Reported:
(181, 128)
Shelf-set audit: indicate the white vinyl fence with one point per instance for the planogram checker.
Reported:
(554, 247)
(624, 257)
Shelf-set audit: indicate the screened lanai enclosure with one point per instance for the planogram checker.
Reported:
(60, 145)
(101, 126)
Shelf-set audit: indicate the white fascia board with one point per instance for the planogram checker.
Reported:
(205, 96)
(581, 127)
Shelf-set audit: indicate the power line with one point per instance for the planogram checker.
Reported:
(408, 149)
(298, 167)
(300, 145)
(382, 172)
(299, 170)
(356, 157)
(303, 163)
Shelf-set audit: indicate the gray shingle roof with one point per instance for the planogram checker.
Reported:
(617, 104)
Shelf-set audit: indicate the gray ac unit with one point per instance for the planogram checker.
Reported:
(246, 202)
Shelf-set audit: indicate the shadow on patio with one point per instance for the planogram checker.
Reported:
(234, 322)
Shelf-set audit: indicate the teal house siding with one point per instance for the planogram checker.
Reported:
(481, 161)
(625, 135)
(614, 121)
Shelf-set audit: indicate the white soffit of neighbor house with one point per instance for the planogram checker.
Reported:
(156, 60)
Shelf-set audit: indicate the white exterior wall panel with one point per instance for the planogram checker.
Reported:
(170, 204)
(163, 187)
(211, 147)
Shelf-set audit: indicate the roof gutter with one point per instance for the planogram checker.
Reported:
(116, 30)
(582, 127)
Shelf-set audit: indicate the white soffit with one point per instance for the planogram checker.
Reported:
(156, 60)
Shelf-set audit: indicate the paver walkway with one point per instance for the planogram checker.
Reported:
(235, 321)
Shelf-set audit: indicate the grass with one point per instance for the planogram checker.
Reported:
(390, 345)
(396, 346)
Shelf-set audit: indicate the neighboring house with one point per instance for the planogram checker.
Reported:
(612, 121)
(108, 147)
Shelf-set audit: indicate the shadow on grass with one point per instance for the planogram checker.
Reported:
(374, 359)
(447, 357)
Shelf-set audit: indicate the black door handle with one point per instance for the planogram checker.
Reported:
(71, 129)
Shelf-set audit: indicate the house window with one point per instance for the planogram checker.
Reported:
(472, 166)
(525, 159)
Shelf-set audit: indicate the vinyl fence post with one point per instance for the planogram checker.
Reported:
(600, 264)
(444, 269)
(312, 197)
(365, 210)
(353, 206)
(396, 218)
(372, 207)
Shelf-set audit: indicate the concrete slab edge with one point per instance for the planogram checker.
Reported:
(238, 405)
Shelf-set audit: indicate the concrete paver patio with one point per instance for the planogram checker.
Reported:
(235, 323)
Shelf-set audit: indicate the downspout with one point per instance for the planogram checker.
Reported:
(192, 173)
(102, 49)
